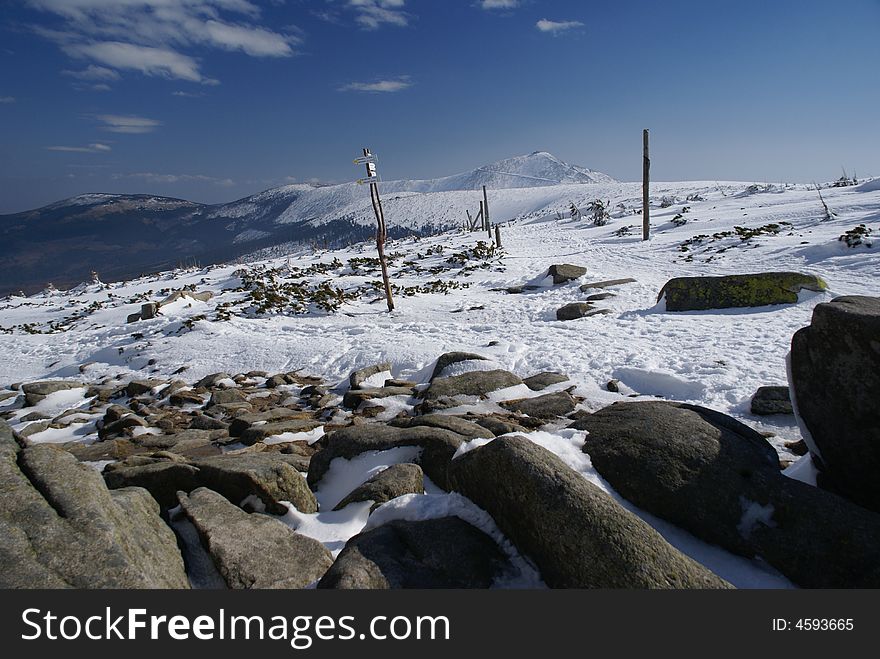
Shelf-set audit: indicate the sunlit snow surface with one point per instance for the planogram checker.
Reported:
(717, 359)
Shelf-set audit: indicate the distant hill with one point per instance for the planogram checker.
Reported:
(122, 236)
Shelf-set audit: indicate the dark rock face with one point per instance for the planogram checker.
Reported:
(771, 400)
(162, 478)
(435, 553)
(443, 391)
(438, 444)
(541, 381)
(547, 406)
(62, 528)
(835, 379)
(754, 290)
(449, 358)
(389, 484)
(564, 272)
(720, 480)
(254, 550)
(270, 476)
(578, 536)
(356, 379)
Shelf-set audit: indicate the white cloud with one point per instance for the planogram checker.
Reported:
(116, 123)
(184, 94)
(372, 14)
(498, 4)
(7, 99)
(91, 148)
(92, 72)
(555, 27)
(152, 36)
(386, 86)
(170, 179)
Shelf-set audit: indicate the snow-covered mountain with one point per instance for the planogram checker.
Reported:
(122, 236)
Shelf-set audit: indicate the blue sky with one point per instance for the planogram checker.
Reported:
(212, 100)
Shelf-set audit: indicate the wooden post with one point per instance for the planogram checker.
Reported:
(646, 178)
(486, 214)
(482, 214)
(470, 222)
(380, 231)
(498, 236)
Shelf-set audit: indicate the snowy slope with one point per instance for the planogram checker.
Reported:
(717, 359)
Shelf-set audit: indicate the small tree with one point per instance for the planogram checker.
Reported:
(574, 211)
(599, 212)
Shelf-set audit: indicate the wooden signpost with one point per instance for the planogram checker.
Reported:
(646, 176)
(372, 179)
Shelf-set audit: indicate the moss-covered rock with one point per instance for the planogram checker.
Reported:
(752, 290)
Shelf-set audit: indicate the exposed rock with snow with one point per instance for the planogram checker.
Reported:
(354, 397)
(257, 433)
(578, 536)
(443, 392)
(254, 550)
(608, 283)
(270, 476)
(34, 392)
(835, 377)
(438, 446)
(435, 553)
(388, 484)
(242, 422)
(771, 400)
(62, 527)
(456, 424)
(732, 291)
(575, 310)
(449, 358)
(358, 377)
(546, 406)
(720, 480)
(564, 272)
(541, 381)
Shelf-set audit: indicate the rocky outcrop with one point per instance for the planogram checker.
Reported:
(575, 310)
(445, 392)
(449, 358)
(393, 482)
(608, 283)
(60, 527)
(435, 553)
(731, 291)
(463, 427)
(34, 392)
(254, 550)
(835, 379)
(357, 378)
(720, 480)
(576, 534)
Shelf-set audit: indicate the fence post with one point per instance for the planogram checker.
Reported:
(646, 177)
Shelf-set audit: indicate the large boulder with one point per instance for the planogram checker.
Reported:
(258, 433)
(835, 378)
(576, 534)
(60, 527)
(753, 290)
(575, 310)
(388, 484)
(254, 550)
(354, 397)
(720, 480)
(161, 476)
(270, 476)
(438, 446)
(564, 272)
(446, 392)
(244, 421)
(435, 553)
(463, 427)
(541, 381)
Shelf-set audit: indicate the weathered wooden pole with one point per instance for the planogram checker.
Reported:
(646, 179)
(372, 179)
(498, 236)
(482, 215)
(486, 206)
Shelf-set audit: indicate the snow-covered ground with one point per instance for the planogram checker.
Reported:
(716, 359)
